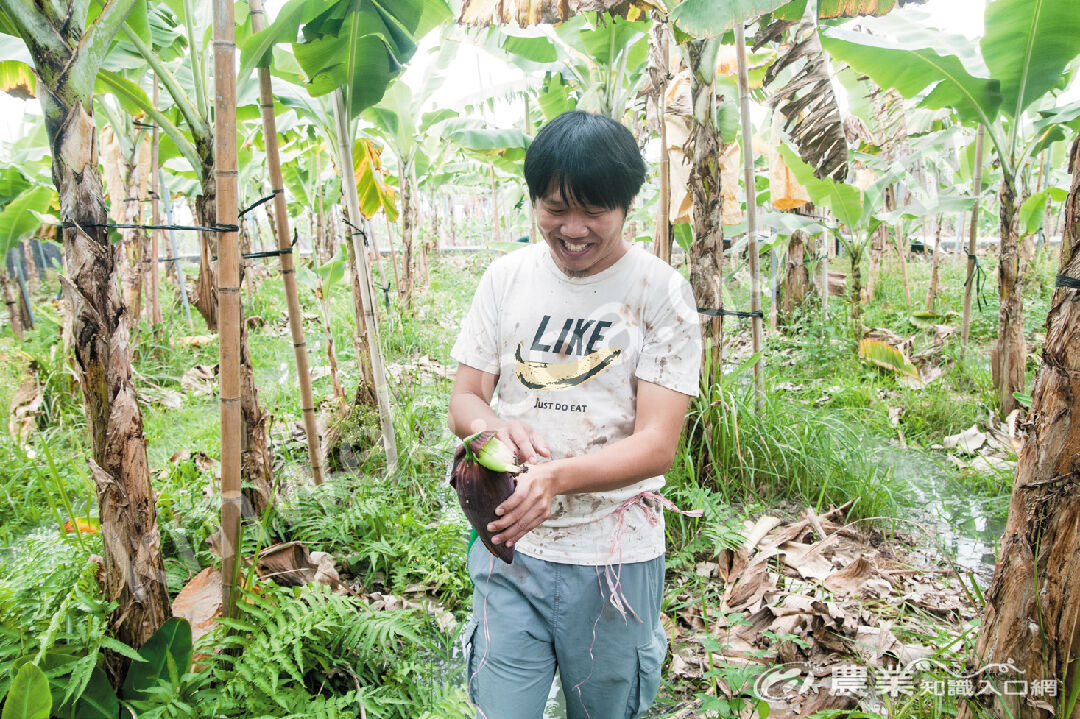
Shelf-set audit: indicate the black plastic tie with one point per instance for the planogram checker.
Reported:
(127, 226)
(729, 313)
(260, 201)
(978, 273)
(1069, 282)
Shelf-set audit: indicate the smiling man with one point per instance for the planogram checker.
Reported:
(592, 348)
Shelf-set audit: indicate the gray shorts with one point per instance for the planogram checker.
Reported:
(533, 616)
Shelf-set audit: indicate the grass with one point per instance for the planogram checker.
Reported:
(783, 450)
(814, 441)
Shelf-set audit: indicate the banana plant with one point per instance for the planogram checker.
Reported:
(67, 53)
(154, 41)
(351, 51)
(1026, 48)
(399, 122)
(19, 218)
(501, 151)
(592, 62)
(857, 214)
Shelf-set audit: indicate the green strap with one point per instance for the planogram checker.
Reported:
(473, 536)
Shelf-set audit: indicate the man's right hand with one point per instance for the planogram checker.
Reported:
(470, 412)
(524, 440)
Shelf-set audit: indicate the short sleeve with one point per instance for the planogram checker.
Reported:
(671, 350)
(477, 344)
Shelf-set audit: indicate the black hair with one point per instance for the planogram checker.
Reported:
(594, 159)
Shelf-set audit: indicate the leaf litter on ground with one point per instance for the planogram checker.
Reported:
(291, 564)
(817, 593)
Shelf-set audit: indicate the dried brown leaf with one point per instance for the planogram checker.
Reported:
(25, 407)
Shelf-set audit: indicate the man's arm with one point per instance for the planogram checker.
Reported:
(470, 412)
(647, 452)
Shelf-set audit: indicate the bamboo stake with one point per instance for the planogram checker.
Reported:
(495, 234)
(155, 219)
(973, 230)
(370, 331)
(751, 212)
(166, 201)
(774, 285)
(663, 213)
(226, 178)
(319, 252)
(288, 271)
(393, 252)
(902, 252)
(532, 219)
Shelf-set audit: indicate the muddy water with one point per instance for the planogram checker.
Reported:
(946, 519)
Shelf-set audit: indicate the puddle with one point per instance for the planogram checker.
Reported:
(962, 524)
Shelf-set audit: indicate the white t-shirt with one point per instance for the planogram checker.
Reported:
(569, 352)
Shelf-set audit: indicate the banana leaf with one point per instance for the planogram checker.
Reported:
(887, 357)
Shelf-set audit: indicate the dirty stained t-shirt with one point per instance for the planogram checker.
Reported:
(569, 352)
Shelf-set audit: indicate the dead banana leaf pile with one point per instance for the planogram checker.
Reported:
(291, 564)
(817, 592)
(25, 408)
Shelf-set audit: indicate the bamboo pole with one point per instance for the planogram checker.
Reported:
(166, 201)
(528, 131)
(155, 219)
(663, 213)
(288, 271)
(774, 286)
(902, 253)
(496, 236)
(226, 179)
(751, 212)
(393, 252)
(370, 331)
(973, 230)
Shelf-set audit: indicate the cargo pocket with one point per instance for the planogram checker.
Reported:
(468, 635)
(650, 657)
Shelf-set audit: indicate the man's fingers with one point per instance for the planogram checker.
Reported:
(516, 530)
(520, 513)
(522, 437)
(538, 443)
(522, 527)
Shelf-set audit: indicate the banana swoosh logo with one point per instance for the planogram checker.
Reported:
(547, 376)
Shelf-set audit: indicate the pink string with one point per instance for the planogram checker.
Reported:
(611, 575)
(592, 659)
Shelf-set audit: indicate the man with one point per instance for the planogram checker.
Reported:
(593, 348)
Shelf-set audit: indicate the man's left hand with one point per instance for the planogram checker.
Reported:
(528, 507)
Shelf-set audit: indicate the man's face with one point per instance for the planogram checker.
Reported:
(583, 239)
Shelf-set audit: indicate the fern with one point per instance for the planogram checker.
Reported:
(381, 533)
(303, 651)
(50, 603)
